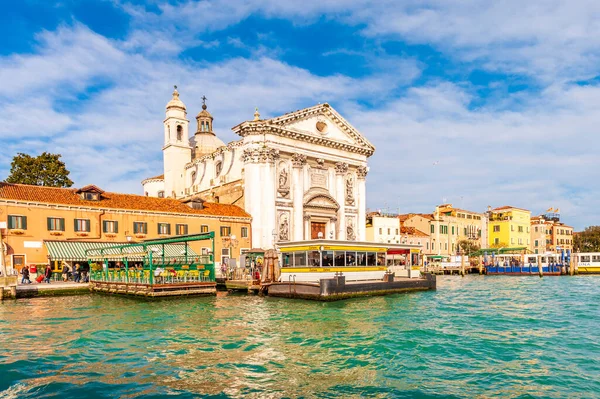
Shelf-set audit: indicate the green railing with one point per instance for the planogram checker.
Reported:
(167, 275)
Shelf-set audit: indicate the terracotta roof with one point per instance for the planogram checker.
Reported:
(406, 216)
(159, 177)
(68, 196)
(502, 208)
(412, 231)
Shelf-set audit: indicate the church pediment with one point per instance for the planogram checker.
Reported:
(320, 124)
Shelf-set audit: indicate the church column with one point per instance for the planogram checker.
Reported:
(259, 192)
(362, 203)
(298, 162)
(341, 168)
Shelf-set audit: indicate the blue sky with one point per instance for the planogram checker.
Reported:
(470, 102)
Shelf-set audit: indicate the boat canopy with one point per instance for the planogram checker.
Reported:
(499, 251)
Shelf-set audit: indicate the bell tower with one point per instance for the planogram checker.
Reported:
(177, 151)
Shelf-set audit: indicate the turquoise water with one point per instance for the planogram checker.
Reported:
(507, 337)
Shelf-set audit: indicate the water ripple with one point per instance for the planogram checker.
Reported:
(474, 337)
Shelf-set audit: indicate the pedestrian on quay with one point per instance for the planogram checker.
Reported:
(47, 274)
(25, 274)
(65, 272)
(77, 273)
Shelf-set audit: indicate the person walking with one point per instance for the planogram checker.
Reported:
(77, 273)
(25, 274)
(65, 272)
(47, 274)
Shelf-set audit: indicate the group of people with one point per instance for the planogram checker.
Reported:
(78, 273)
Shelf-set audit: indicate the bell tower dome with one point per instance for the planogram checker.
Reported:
(177, 151)
(205, 140)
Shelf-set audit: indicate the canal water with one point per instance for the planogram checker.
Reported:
(509, 337)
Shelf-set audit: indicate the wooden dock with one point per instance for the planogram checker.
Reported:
(252, 286)
(155, 290)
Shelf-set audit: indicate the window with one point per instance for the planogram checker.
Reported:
(496, 229)
(179, 133)
(389, 231)
(164, 229)
(465, 231)
(17, 222)
(496, 241)
(181, 229)
(445, 246)
(204, 228)
(535, 243)
(140, 228)
(244, 232)
(443, 229)
(432, 229)
(380, 231)
(218, 168)
(452, 230)
(427, 245)
(520, 229)
(536, 229)
(396, 231)
(82, 225)
(161, 194)
(512, 228)
(90, 196)
(225, 252)
(56, 224)
(110, 226)
(520, 241)
(512, 240)
(225, 231)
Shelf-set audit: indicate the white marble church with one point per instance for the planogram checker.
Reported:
(300, 175)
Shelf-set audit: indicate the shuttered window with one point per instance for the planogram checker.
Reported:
(140, 228)
(56, 224)
(181, 229)
(225, 231)
(81, 225)
(17, 222)
(204, 228)
(164, 228)
(244, 232)
(110, 226)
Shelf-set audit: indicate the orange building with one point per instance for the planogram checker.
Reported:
(35, 215)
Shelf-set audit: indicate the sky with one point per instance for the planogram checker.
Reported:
(469, 102)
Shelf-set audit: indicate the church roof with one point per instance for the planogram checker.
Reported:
(159, 177)
(132, 202)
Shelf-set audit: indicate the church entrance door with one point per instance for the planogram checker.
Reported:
(316, 228)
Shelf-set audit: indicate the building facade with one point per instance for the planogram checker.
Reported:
(35, 215)
(383, 228)
(549, 234)
(301, 175)
(509, 227)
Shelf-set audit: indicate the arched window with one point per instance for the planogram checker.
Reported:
(179, 133)
(193, 177)
(161, 194)
(218, 168)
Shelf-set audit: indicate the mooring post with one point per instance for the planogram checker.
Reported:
(541, 269)
(1, 293)
(13, 291)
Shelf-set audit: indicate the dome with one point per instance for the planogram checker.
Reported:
(175, 101)
(206, 143)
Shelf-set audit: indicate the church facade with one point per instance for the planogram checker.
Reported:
(301, 176)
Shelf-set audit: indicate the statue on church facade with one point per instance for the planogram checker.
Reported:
(283, 228)
(350, 235)
(349, 191)
(283, 186)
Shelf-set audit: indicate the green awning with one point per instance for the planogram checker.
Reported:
(499, 251)
(75, 250)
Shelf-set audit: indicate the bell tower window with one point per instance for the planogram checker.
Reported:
(179, 133)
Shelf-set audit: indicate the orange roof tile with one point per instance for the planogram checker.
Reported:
(412, 231)
(68, 196)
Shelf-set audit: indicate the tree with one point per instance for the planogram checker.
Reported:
(468, 246)
(588, 240)
(44, 170)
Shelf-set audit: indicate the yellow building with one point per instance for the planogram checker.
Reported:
(33, 216)
(509, 227)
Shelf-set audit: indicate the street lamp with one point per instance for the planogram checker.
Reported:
(128, 236)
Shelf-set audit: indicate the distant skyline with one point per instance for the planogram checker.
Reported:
(473, 103)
